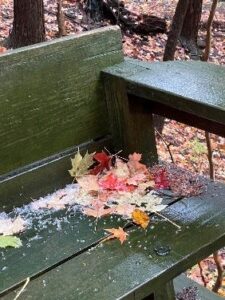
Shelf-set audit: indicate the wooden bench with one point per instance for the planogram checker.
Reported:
(55, 97)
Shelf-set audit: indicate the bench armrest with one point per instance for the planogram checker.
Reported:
(189, 92)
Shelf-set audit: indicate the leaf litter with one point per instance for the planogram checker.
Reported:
(105, 185)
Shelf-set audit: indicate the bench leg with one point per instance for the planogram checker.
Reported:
(131, 121)
(166, 292)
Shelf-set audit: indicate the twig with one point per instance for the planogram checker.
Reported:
(201, 273)
(210, 155)
(205, 56)
(23, 288)
(219, 267)
(167, 145)
(165, 218)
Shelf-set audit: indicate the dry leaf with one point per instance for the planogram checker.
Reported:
(124, 210)
(88, 183)
(119, 234)
(9, 226)
(80, 165)
(134, 164)
(121, 169)
(97, 209)
(139, 217)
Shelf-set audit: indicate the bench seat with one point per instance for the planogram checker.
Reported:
(133, 270)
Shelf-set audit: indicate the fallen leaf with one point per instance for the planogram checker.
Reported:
(139, 217)
(97, 209)
(81, 165)
(121, 169)
(10, 241)
(111, 182)
(134, 164)
(119, 234)
(9, 226)
(88, 183)
(161, 179)
(97, 213)
(124, 210)
(104, 163)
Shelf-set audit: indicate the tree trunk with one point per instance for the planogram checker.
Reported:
(192, 19)
(176, 29)
(28, 23)
(189, 33)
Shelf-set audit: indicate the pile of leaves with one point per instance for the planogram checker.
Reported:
(106, 184)
(110, 184)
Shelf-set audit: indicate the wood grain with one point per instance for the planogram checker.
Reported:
(52, 97)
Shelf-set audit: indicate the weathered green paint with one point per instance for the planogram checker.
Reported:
(193, 87)
(165, 292)
(52, 97)
(203, 293)
(112, 271)
(131, 121)
(42, 177)
(52, 247)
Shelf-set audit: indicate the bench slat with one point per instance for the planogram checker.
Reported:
(52, 246)
(52, 97)
(111, 271)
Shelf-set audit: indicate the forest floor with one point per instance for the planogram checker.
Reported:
(188, 145)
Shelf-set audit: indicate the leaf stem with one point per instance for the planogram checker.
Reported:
(23, 288)
(165, 218)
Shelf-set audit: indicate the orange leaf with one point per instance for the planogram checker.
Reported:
(139, 217)
(119, 234)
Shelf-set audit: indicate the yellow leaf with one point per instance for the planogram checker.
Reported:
(80, 165)
(139, 217)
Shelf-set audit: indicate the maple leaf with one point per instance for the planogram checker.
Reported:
(10, 241)
(88, 183)
(97, 209)
(139, 217)
(104, 163)
(9, 226)
(119, 234)
(124, 209)
(161, 179)
(134, 164)
(80, 165)
(111, 182)
(121, 169)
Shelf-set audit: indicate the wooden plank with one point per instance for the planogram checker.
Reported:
(42, 177)
(134, 269)
(131, 121)
(52, 97)
(193, 87)
(202, 293)
(53, 239)
(181, 116)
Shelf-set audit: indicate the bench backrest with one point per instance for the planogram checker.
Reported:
(52, 97)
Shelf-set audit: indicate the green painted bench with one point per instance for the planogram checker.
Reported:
(79, 91)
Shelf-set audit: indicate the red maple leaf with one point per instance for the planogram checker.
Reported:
(104, 163)
(161, 179)
(111, 182)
